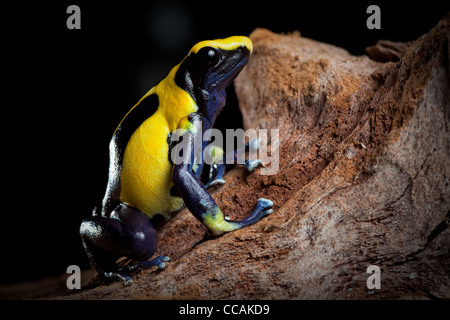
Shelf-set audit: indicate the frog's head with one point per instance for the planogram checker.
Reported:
(210, 67)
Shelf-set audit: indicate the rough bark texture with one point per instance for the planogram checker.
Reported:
(363, 180)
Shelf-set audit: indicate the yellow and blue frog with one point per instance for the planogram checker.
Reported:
(143, 178)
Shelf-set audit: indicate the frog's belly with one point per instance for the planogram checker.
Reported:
(146, 176)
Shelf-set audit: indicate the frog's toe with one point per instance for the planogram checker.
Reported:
(121, 274)
(252, 164)
(264, 203)
(159, 261)
(128, 281)
(264, 206)
(162, 261)
(214, 183)
(126, 278)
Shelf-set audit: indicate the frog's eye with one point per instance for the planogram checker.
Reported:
(208, 56)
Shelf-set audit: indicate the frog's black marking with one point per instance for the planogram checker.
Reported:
(141, 112)
(174, 192)
(171, 144)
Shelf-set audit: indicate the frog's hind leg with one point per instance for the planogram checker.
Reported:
(127, 232)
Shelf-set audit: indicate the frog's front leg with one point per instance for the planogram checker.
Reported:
(126, 232)
(219, 161)
(199, 201)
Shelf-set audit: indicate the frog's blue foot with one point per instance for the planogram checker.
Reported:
(252, 164)
(118, 275)
(124, 272)
(214, 182)
(217, 166)
(216, 175)
(159, 261)
(263, 208)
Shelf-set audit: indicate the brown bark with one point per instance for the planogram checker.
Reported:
(363, 180)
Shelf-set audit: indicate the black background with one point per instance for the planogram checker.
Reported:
(64, 92)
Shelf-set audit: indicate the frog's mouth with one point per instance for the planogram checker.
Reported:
(227, 70)
(227, 78)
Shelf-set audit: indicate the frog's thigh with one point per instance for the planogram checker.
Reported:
(128, 232)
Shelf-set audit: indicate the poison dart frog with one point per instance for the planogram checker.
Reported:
(143, 179)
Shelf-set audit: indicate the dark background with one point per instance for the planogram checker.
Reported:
(65, 91)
